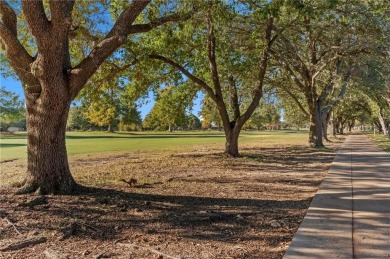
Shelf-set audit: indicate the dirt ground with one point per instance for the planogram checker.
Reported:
(192, 204)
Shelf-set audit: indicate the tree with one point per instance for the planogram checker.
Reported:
(209, 114)
(78, 121)
(224, 50)
(372, 82)
(293, 114)
(324, 38)
(52, 79)
(192, 122)
(103, 105)
(11, 107)
(267, 115)
(130, 118)
(170, 107)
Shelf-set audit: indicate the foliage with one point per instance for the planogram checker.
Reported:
(293, 115)
(130, 119)
(78, 121)
(266, 116)
(11, 107)
(209, 114)
(170, 107)
(315, 55)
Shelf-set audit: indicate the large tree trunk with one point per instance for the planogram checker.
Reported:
(315, 130)
(231, 144)
(47, 163)
(325, 122)
(382, 123)
(50, 82)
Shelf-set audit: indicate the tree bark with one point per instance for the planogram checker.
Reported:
(47, 164)
(382, 123)
(231, 145)
(325, 122)
(315, 130)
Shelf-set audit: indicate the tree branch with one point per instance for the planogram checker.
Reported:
(187, 73)
(296, 100)
(329, 88)
(301, 68)
(343, 90)
(317, 73)
(211, 44)
(290, 71)
(80, 74)
(258, 92)
(234, 98)
(8, 17)
(61, 12)
(211, 57)
(116, 71)
(138, 28)
(36, 18)
(113, 40)
(17, 55)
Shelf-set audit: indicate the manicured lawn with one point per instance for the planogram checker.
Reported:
(14, 147)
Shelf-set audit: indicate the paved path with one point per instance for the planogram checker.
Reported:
(350, 215)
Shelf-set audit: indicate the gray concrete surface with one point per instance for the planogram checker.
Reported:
(350, 215)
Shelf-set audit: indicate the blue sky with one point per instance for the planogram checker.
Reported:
(15, 86)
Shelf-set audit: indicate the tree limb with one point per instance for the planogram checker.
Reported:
(17, 55)
(211, 56)
(323, 67)
(187, 73)
(296, 100)
(138, 28)
(292, 74)
(36, 18)
(258, 92)
(80, 74)
(343, 90)
(211, 44)
(8, 17)
(24, 243)
(234, 98)
(301, 68)
(61, 12)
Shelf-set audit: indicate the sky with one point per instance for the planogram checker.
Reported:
(15, 86)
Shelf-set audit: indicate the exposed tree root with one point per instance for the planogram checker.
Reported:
(66, 189)
(27, 188)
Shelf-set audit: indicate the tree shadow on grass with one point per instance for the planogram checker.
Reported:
(105, 214)
(6, 145)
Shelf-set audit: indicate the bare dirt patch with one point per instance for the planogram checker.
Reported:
(190, 204)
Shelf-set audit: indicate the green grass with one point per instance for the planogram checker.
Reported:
(382, 141)
(14, 146)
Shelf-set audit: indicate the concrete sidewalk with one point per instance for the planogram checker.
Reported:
(350, 215)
